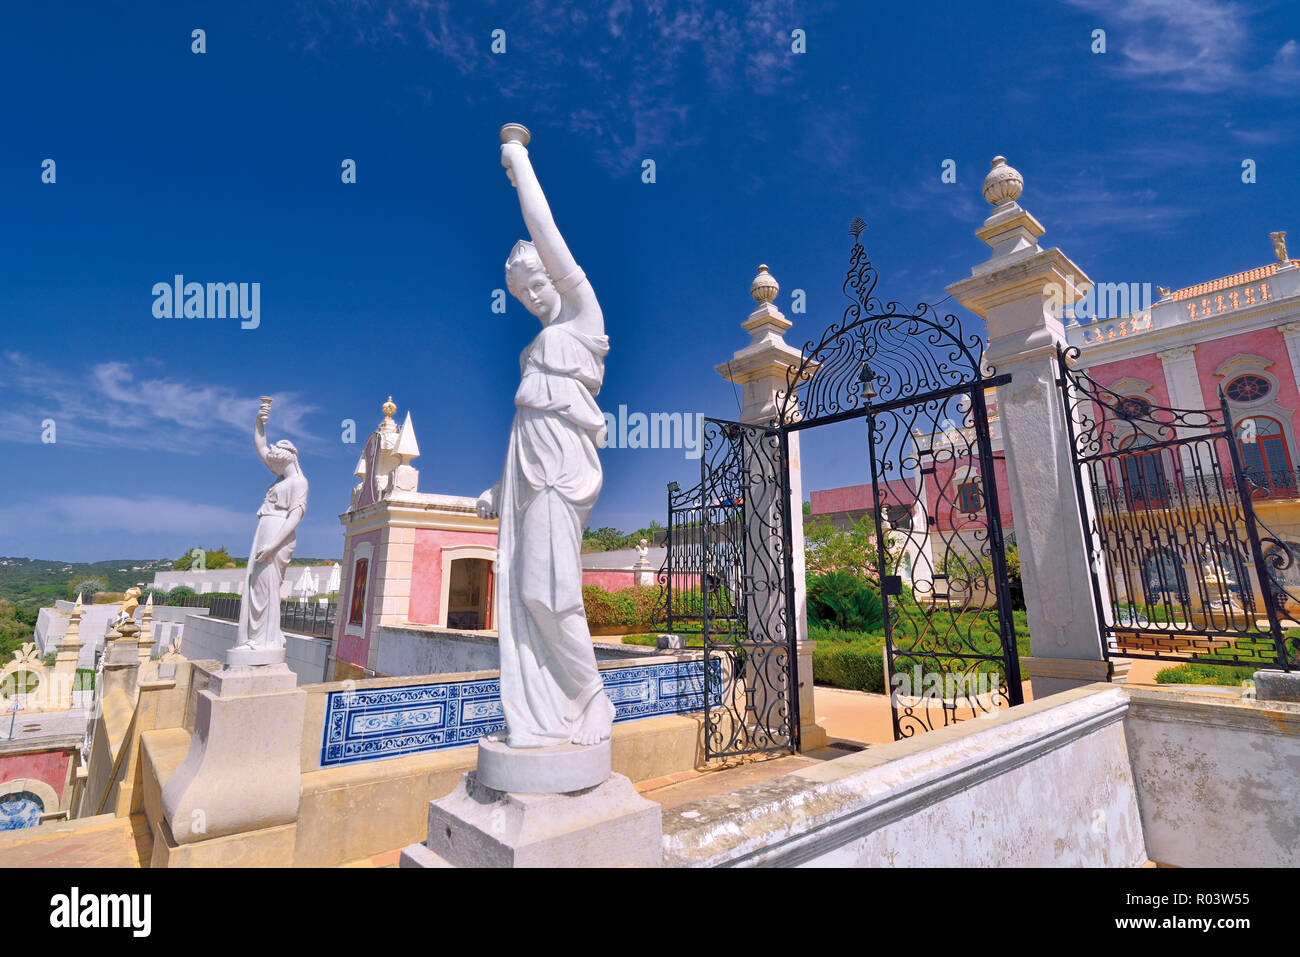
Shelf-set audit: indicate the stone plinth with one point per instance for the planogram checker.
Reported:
(1277, 685)
(476, 826)
(243, 771)
(1020, 292)
(557, 770)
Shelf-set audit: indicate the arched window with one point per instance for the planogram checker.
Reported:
(1248, 388)
(357, 610)
(1264, 455)
(968, 496)
(1145, 484)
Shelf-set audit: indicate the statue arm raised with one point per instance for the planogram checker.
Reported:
(259, 437)
(551, 247)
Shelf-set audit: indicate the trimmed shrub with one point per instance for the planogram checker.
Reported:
(643, 598)
(840, 599)
(855, 665)
(1199, 673)
(176, 594)
(607, 609)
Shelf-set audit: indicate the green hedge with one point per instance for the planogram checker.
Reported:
(1199, 673)
(631, 607)
(856, 665)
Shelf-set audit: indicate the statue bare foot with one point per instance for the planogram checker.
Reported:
(596, 723)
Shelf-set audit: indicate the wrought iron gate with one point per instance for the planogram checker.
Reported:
(918, 382)
(725, 576)
(1182, 567)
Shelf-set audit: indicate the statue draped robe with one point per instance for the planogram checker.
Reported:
(259, 611)
(551, 479)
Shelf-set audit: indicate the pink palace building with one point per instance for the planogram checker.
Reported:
(420, 564)
(1240, 333)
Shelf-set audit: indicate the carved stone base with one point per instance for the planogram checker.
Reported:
(555, 770)
(255, 656)
(476, 826)
(243, 770)
(1277, 685)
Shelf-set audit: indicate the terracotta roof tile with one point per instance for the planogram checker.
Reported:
(1227, 282)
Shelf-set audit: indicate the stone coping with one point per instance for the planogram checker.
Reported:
(419, 628)
(791, 819)
(386, 681)
(785, 819)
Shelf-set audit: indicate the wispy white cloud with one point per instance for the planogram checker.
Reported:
(110, 404)
(1196, 46)
(560, 55)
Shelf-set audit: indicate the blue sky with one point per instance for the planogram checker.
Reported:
(225, 167)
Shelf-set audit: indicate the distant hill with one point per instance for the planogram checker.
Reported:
(31, 583)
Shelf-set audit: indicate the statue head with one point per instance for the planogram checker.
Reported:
(281, 456)
(527, 280)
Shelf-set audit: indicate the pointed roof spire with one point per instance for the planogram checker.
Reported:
(407, 447)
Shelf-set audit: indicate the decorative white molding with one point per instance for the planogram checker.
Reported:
(364, 550)
(452, 553)
(1245, 362)
(47, 795)
(1177, 353)
(1132, 386)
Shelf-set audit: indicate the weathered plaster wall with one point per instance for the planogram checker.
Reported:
(1218, 779)
(206, 638)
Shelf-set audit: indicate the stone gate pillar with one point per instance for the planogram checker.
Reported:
(1020, 292)
(761, 370)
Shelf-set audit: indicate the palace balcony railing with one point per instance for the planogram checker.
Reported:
(1190, 491)
(311, 618)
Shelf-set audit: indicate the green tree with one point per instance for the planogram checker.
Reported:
(828, 548)
(212, 558)
(86, 588)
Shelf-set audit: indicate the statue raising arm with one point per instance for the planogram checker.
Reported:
(259, 434)
(579, 301)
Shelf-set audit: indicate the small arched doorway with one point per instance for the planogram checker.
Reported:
(469, 594)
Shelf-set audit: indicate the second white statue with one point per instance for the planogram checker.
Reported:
(551, 690)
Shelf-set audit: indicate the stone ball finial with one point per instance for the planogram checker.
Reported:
(1003, 183)
(388, 408)
(764, 287)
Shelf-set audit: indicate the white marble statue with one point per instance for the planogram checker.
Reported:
(273, 542)
(551, 691)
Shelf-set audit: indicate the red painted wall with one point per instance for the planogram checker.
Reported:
(1147, 367)
(609, 580)
(356, 648)
(50, 767)
(426, 568)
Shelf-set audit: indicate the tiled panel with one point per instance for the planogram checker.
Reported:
(365, 725)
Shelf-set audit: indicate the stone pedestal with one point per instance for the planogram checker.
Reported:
(243, 770)
(1277, 685)
(609, 825)
(761, 370)
(121, 663)
(812, 736)
(1020, 292)
(561, 769)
